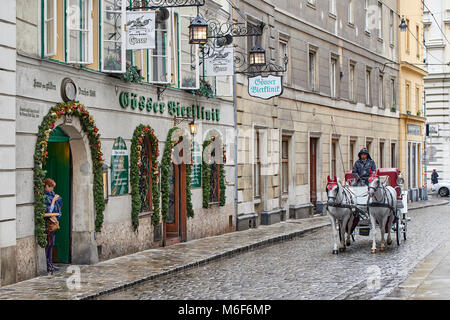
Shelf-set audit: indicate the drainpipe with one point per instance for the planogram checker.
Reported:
(235, 131)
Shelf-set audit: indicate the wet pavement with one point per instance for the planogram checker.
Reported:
(288, 260)
(304, 268)
(89, 281)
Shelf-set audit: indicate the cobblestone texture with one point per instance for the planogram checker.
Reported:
(304, 268)
(131, 269)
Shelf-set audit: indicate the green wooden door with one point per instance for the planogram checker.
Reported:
(58, 169)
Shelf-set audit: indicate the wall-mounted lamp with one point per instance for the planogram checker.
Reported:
(403, 26)
(257, 57)
(192, 127)
(198, 31)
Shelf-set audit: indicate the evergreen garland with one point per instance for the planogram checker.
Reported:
(206, 176)
(166, 162)
(40, 157)
(139, 135)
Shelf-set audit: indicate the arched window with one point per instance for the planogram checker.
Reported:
(145, 177)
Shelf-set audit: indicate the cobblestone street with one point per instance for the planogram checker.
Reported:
(304, 268)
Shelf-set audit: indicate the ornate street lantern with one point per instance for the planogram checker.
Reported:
(257, 57)
(403, 26)
(192, 127)
(198, 31)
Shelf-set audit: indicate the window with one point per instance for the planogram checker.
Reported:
(283, 51)
(113, 45)
(407, 98)
(393, 94)
(381, 91)
(369, 145)
(312, 2)
(253, 40)
(393, 155)
(145, 177)
(368, 88)
(333, 77)
(214, 186)
(332, 6)
(285, 164)
(352, 154)
(381, 163)
(351, 15)
(391, 27)
(312, 61)
(366, 16)
(408, 38)
(188, 55)
(79, 23)
(351, 89)
(50, 31)
(417, 42)
(380, 20)
(257, 166)
(334, 143)
(418, 109)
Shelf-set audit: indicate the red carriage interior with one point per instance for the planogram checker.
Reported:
(392, 173)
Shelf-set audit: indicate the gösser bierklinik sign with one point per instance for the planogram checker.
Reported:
(265, 87)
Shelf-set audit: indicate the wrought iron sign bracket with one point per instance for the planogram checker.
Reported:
(266, 69)
(158, 4)
(160, 90)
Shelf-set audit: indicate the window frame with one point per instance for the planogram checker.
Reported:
(285, 162)
(368, 86)
(313, 84)
(351, 81)
(123, 38)
(381, 99)
(89, 50)
(194, 49)
(351, 12)
(257, 190)
(45, 21)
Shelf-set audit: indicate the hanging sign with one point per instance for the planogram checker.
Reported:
(433, 130)
(265, 87)
(140, 30)
(196, 173)
(119, 168)
(220, 63)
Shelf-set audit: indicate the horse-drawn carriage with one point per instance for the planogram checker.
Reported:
(360, 209)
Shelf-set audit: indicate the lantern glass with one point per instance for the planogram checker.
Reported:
(257, 56)
(105, 182)
(198, 31)
(192, 127)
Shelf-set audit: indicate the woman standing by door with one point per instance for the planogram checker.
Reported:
(53, 204)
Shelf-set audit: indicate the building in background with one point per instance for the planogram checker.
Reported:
(340, 95)
(437, 89)
(411, 87)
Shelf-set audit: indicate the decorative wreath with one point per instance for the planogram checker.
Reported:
(206, 176)
(139, 135)
(40, 156)
(166, 162)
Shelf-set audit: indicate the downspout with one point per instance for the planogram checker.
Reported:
(235, 131)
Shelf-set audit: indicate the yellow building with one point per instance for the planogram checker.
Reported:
(411, 86)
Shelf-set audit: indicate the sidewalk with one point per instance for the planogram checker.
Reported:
(121, 272)
(430, 279)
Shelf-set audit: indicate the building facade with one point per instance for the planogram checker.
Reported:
(340, 95)
(115, 153)
(437, 89)
(411, 86)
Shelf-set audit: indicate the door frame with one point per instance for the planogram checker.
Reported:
(316, 136)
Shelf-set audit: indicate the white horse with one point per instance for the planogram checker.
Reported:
(339, 215)
(382, 205)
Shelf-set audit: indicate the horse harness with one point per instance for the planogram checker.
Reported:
(383, 204)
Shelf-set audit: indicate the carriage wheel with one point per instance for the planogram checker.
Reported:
(398, 230)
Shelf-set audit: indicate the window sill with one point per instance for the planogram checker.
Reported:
(214, 204)
(367, 33)
(351, 25)
(256, 200)
(285, 196)
(381, 40)
(332, 15)
(392, 45)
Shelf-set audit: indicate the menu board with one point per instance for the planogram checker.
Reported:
(196, 174)
(119, 168)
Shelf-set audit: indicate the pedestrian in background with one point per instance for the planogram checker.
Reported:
(53, 204)
(434, 177)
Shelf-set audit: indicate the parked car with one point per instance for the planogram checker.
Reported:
(441, 188)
